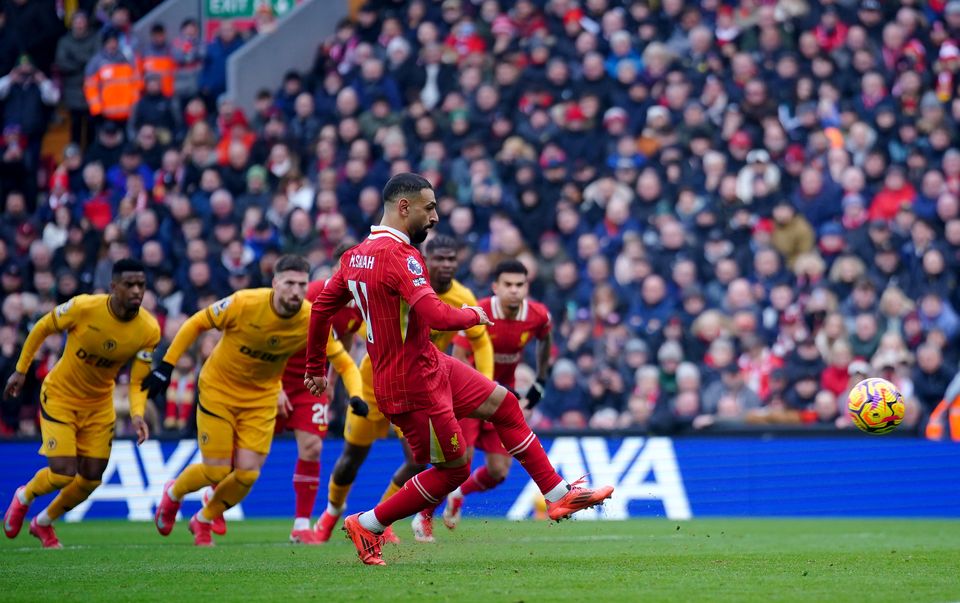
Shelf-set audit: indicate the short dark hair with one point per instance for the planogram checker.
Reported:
(509, 267)
(442, 241)
(126, 265)
(291, 262)
(402, 184)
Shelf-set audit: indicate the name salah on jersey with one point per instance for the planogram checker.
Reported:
(362, 261)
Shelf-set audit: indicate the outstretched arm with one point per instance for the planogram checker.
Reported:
(159, 378)
(43, 329)
(188, 333)
(442, 317)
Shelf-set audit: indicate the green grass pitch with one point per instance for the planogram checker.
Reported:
(497, 560)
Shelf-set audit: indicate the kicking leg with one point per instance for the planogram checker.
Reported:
(503, 410)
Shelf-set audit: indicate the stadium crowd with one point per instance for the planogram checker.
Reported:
(734, 211)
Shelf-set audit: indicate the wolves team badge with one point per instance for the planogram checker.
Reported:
(274, 341)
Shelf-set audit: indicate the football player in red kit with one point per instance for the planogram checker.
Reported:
(421, 390)
(518, 320)
(306, 416)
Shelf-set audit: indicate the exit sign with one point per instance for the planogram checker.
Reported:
(243, 9)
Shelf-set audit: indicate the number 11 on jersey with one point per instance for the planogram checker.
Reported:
(359, 291)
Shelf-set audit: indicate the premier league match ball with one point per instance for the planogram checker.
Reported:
(875, 406)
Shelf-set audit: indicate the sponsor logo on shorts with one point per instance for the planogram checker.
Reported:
(204, 437)
(109, 345)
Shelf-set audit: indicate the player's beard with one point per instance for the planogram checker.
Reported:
(420, 235)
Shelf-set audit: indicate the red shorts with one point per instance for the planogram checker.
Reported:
(309, 413)
(482, 435)
(434, 433)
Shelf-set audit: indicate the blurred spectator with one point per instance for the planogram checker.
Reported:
(213, 76)
(112, 83)
(74, 51)
(565, 398)
(187, 52)
(28, 96)
(930, 378)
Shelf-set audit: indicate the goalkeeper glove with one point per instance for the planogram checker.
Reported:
(535, 392)
(359, 407)
(158, 380)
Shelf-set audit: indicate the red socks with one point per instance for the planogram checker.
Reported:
(479, 481)
(424, 490)
(523, 445)
(306, 481)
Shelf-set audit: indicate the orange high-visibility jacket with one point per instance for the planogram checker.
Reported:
(945, 419)
(112, 88)
(163, 66)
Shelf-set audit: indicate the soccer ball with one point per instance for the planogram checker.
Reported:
(875, 406)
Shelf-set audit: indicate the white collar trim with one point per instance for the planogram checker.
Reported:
(379, 231)
(498, 311)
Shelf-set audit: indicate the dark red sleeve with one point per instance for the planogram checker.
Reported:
(334, 296)
(442, 317)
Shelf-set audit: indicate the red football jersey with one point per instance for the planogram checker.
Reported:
(346, 322)
(511, 335)
(385, 276)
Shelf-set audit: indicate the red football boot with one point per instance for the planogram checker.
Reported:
(324, 526)
(218, 525)
(13, 518)
(576, 499)
(201, 532)
(422, 525)
(46, 535)
(390, 536)
(166, 515)
(307, 536)
(369, 544)
(452, 512)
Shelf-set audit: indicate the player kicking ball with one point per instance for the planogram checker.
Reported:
(360, 433)
(104, 333)
(419, 389)
(238, 391)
